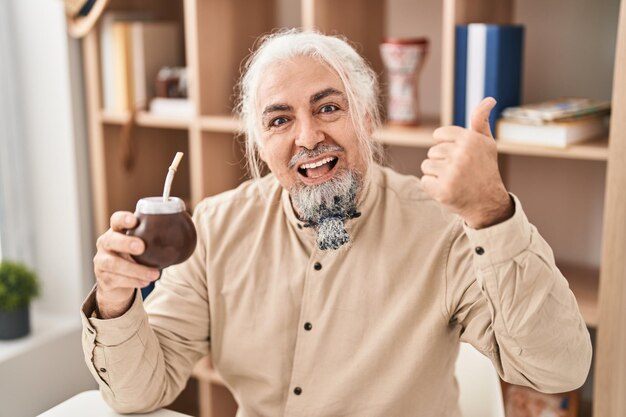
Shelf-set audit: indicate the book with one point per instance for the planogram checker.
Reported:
(122, 63)
(553, 134)
(108, 54)
(174, 107)
(488, 62)
(558, 110)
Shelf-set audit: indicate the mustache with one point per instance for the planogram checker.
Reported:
(312, 153)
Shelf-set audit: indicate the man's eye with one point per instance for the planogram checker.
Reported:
(279, 121)
(329, 108)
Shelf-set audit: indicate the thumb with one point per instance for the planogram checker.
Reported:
(480, 116)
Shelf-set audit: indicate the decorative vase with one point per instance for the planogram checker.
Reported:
(15, 323)
(404, 60)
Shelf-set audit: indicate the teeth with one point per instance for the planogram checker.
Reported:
(318, 163)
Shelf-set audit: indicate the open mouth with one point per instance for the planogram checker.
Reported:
(319, 168)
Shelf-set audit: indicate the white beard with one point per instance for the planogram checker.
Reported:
(327, 206)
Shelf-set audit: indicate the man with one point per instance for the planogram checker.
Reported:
(333, 286)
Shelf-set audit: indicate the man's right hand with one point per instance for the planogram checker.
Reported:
(117, 274)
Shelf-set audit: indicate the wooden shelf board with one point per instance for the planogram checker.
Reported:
(421, 137)
(114, 118)
(146, 119)
(223, 124)
(584, 282)
(595, 150)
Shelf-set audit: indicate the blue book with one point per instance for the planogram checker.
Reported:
(488, 62)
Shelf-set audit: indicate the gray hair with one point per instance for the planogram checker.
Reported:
(358, 78)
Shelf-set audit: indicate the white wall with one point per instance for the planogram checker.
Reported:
(47, 367)
(48, 128)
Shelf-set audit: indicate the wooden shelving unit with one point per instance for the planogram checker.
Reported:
(219, 34)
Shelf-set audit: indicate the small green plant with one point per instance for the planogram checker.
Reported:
(18, 285)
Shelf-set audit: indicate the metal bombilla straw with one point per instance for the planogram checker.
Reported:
(170, 176)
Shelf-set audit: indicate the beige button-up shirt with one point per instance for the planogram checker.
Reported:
(373, 330)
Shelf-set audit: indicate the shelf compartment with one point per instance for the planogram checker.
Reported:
(361, 21)
(152, 151)
(584, 282)
(225, 37)
(220, 161)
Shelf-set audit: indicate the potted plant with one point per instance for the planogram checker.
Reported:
(18, 286)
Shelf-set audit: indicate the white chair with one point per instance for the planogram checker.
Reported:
(479, 384)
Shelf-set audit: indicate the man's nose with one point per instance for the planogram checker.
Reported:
(308, 134)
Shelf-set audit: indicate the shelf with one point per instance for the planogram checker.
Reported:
(415, 137)
(594, 150)
(421, 137)
(583, 282)
(146, 119)
(222, 124)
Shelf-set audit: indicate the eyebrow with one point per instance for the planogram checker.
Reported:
(327, 92)
(277, 107)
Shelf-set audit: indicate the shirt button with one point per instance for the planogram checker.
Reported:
(299, 226)
(103, 370)
(479, 250)
(317, 266)
(308, 326)
(297, 390)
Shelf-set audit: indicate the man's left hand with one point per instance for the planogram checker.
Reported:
(461, 171)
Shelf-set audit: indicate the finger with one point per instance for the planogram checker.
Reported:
(119, 242)
(440, 151)
(480, 116)
(447, 133)
(121, 220)
(433, 167)
(429, 184)
(109, 262)
(108, 281)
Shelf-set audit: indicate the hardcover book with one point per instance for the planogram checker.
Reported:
(488, 62)
(558, 110)
(553, 134)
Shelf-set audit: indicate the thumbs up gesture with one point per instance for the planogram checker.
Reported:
(461, 171)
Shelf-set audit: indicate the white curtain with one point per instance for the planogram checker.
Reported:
(16, 234)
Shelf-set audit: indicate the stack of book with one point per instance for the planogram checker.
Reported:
(555, 123)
